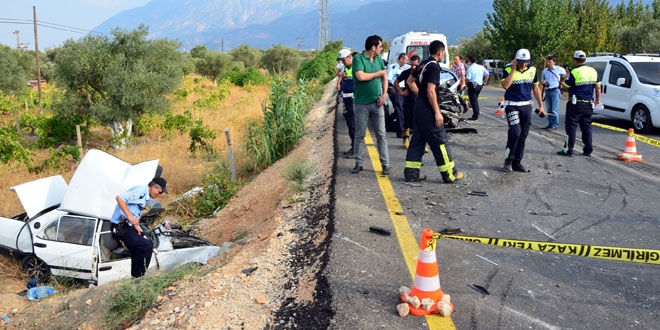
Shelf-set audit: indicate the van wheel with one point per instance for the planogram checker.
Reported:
(35, 268)
(641, 119)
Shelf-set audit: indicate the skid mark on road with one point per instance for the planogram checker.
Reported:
(407, 242)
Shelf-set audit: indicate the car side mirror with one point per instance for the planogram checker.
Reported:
(621, 81)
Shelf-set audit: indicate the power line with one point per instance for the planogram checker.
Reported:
(49, 25)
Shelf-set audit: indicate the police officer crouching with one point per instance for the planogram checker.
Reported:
(125, 222)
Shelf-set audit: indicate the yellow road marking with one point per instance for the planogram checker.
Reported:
(407, 242)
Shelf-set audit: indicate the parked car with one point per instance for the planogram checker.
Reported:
(65, 229)
(630, 86)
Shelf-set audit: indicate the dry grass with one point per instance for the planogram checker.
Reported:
(180, 169)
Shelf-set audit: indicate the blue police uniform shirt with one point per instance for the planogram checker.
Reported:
(521, 85)
(136, 199)
(476, 73)
(394, 71)
(552, 76)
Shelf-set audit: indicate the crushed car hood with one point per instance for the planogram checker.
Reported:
(99, 178)
(38, 195)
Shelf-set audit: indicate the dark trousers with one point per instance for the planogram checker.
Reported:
(140, 248)
(473, 95)
(397, 102)
(436, 137)
(408, 115)
(519, 119)
(578, 114)
(350, 118)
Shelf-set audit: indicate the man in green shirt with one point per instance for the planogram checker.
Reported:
(369, 96)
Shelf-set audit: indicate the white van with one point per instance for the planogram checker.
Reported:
(630, 87)
(494, 67)
(416, 43)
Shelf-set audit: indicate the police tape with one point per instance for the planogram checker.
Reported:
(640, 138)
(644, 256)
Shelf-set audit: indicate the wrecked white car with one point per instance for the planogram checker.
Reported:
(65, 230)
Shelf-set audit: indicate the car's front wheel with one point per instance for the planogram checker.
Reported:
(35, 268)
(641, 119)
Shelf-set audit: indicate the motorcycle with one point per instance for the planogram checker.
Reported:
(449, 99)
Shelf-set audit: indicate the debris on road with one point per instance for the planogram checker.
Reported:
(478, 288)
(477, 193)
(380, 231)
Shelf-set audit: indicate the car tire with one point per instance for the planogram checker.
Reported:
(641, 119)
(35, 268)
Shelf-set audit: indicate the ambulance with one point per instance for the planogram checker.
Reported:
(417, 43)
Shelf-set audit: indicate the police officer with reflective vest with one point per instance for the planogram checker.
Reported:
(582, 83)
(428, 123)
(519, 80)
(345, 85)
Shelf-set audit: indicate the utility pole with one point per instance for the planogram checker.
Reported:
(36, 51)
(324, 30)
(18, 39)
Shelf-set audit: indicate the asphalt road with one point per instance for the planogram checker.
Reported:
(596, 200)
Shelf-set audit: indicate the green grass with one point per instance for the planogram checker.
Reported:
(135, 297)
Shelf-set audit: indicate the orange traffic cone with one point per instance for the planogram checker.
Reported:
(630, 151)
(426, 296)
(500, 105)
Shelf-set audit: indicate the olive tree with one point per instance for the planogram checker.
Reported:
(12, 74)
(115, 80)
(280, 59)
(248, 55)
(213, 64)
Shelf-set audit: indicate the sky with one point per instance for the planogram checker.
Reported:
(58, 20)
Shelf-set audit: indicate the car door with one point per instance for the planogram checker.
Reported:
(111, 263)
(65, 244)
(617, 91)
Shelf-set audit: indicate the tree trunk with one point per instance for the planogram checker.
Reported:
(121, 133)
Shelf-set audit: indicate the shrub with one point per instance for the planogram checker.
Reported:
(201, 137)
(245, 77)
(12, 147)
(144, 125)
(214, 98)
(218, 188)
(298, 172)
(320, 67)
(180, 94)
(58, 159)
(179, 123)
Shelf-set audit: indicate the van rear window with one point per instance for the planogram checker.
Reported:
(421, 51)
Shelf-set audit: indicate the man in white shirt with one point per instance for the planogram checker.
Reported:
(552, 78)
(475, 78)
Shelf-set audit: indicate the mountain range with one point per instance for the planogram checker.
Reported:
(227, 24)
